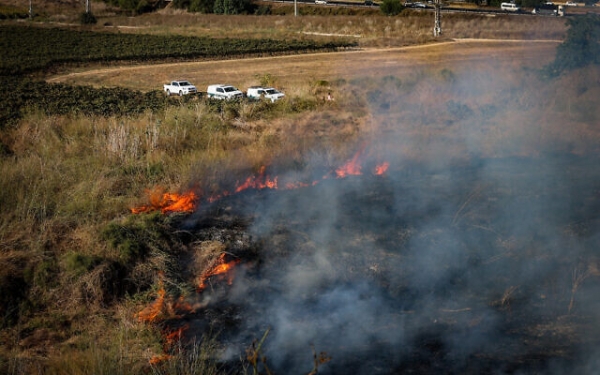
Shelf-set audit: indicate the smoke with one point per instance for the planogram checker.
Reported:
(380, 272)
(453, 262)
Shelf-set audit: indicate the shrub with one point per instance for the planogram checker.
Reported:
(87, 18)
(78, 264)
(202, 6)
(391, 7)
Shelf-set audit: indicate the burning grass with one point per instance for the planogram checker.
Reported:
(466, 152)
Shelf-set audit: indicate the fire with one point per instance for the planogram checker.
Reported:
(187, 202)
(220, 268)
(351, 168)
(163, 307)
(155, 360)
(169, 202)
(381, 168)
(171, 338)
(261, 181)
(153, 312)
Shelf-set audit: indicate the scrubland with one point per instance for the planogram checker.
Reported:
(77, 267)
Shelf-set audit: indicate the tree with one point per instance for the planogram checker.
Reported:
(231, 6)
(202, 6)
(581, 46)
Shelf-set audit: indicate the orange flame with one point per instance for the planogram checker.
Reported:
(173, 337)
(187, 202)
(153, 312)
(220, 268)
(155, 360)
(258, 182)
(381, 168)
(351, 168)
(169, 202)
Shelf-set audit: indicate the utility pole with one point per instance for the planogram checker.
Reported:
(437, 27)
(295, 8)
(87, 6)
(30, 9)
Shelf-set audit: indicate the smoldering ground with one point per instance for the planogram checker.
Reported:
(458, 260)
(386, 274)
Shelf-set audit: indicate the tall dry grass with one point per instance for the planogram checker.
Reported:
(369, 30)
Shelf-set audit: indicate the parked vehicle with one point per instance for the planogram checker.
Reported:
(571, 4)
(419, 5)
(179, 88)
(510, 7)
(546, 10)
(265, 93)
(224, 92)
(321, 2)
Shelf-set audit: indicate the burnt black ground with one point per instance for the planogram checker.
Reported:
(466, 269)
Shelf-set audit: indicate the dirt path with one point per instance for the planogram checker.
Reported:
(289, 70)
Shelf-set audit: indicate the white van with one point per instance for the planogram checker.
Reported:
(510, 7)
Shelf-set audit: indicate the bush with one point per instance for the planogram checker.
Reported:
(391, 7)
(78, 264)
(202, 6)
(87, 18)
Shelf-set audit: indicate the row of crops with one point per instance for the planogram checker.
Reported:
(59, 99)
(27, 48)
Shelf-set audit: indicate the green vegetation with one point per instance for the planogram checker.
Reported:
(217, 6)
(391, 7)
(27, 53)
(9, 12)
(60, 99)
(87, 18)
(136, 6)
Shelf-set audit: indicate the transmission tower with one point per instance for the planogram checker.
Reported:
(437, 27)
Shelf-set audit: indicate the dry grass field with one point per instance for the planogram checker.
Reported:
(294, 72)
(475, 252)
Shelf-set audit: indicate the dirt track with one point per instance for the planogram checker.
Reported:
(289, 70)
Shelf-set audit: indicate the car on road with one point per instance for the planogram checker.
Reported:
(571, 4)
(321, 2)
(419, 5)
(545, 10)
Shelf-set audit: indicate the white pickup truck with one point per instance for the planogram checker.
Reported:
(179, 88)
(268, 93)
